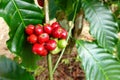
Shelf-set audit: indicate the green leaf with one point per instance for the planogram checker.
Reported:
(9, 70)
(103, 26)
(29, 60)
(77, 7)
(97, 62)
(18, 14)
(52, 9)
(66, 5)
(118, 24)
(118, 49)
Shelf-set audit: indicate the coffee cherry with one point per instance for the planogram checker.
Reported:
(32, 38)
(29, 29)
(55, 25)
(44, 37)
(55, 51)
(38, 29)
(41, 2)
(64, 34)
(56, 39)
(39, 49)
(50, 45)
(57, 32)
(62, 43)
(47, 28)
(47, 38)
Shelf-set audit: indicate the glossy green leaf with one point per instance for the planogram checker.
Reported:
(53, 8)
(9, 70)
(18, 14)
(97, 63)
(29, 60)
(103, 26)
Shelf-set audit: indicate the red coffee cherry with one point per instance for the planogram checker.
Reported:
(39, 49)
(44, 37)
(47, 28)
(29, 29)
(55, 25)
(50, 45)
(57, 32)
(38, 29)
(32, 38)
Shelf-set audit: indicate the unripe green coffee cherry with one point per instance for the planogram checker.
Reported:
(55, 51)
(62, 43)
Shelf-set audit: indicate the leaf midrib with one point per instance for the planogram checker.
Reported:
(96, 61)
(17, 9)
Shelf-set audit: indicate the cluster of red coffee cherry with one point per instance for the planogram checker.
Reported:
(46, 38)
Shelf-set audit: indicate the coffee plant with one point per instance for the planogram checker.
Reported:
(100, 58)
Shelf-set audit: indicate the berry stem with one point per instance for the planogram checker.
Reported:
(49, 60)
(71, 24)
(49, 57)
